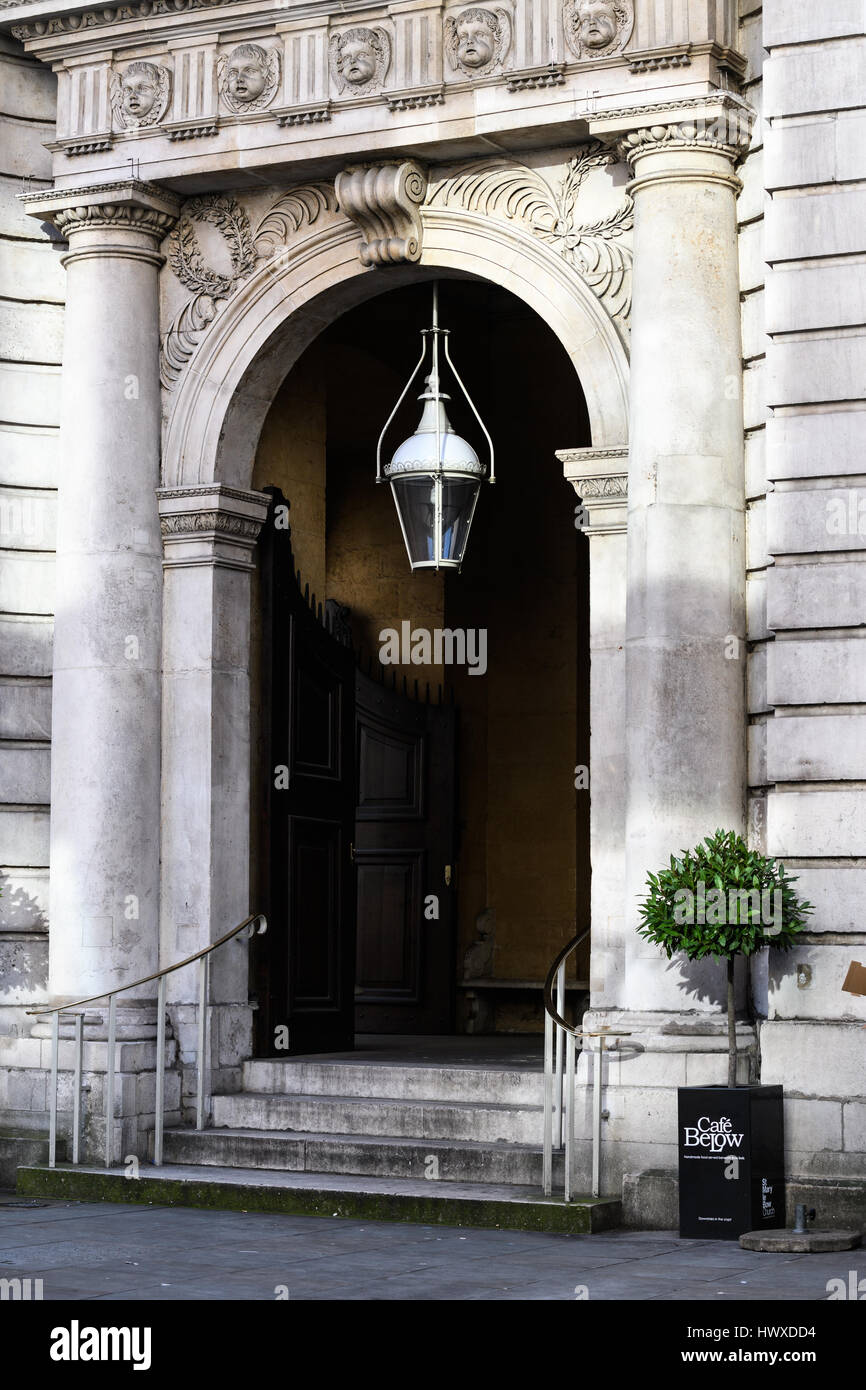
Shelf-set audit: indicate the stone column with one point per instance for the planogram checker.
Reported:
(209, 534)
(600, 480)
(685, 630)
(106, 698)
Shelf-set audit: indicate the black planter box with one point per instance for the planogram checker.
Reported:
(731, 1161)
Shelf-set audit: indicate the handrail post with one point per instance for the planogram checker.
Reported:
(570, 1043)
(596, 1119)
(109, 1079)
(201, 1064)
(547, 1158)
(76, 1087)
(159, 1101)
(52, 1100)
(560, 1043)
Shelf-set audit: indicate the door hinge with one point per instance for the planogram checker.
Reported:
(352, 853)
(447, 875)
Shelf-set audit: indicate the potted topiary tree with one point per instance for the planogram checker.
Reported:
(723, 900)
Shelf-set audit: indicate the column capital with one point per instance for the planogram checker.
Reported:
(123, 207)
(696, 138)
(600, 479)
(212, 525)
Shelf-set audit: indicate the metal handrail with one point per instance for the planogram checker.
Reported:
(203, 958)
(559, 1101)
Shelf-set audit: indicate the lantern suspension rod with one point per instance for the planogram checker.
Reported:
(404, 393)
(484, 429)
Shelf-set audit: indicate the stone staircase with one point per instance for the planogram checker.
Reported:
(432, 1138)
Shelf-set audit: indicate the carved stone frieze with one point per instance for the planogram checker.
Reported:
(360, 59)
(416, 100)
(598, 250)
(597, 28)
(478, 39)
(139, 95)
(248, 78)
(188, 523)
(385, 202)
(303, 115)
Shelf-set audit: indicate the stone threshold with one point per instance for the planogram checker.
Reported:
(320, 1194)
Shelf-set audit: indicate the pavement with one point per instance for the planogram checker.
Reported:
(108, 1251)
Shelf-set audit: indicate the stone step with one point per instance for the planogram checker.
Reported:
(360, 1155)
(417, 1119)
(317, 1194)
(394, 1081)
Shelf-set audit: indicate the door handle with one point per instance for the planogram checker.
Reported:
(447, 875)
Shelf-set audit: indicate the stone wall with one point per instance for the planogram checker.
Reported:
(815, 387)
(31, 326)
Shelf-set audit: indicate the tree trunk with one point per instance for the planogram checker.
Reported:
(732, 1027)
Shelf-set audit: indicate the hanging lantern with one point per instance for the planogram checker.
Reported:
(435, 475)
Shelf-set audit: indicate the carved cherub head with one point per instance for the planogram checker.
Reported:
(249, 77)
(360, 57)
(598, 27)
(141, 95)
(477, 38)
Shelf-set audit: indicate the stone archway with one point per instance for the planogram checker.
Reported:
(309, 274)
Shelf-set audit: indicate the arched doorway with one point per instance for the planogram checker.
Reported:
(214, 422)
(497, 736)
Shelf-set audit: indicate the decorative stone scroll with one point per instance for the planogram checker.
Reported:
(360, 59)
(597, 28)
(248, 78)
(139, 96)
(598, 251)
(385, 202)
(478, 39)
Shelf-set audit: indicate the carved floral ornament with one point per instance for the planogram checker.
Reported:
(386, 202)
(599, 250)
(247, 251)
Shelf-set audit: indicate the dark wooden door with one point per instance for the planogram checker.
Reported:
(306, 976)
(404, 862)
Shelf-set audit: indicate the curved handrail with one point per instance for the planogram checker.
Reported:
(551, 976)
(158, 974)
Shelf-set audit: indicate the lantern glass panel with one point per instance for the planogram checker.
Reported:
(459, 496)
(415, 497)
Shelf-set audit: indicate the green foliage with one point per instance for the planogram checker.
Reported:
(766, 912)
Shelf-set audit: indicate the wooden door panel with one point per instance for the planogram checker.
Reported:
(403, 846)
(390, 903)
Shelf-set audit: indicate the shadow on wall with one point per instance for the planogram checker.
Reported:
(19, 910)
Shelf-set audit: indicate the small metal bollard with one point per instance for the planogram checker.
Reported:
(801, 1216)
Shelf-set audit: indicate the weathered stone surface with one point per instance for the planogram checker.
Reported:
(790, 22)
(24, 774)
(817, 595)
(821, 369)
(823, 748)
(814, 224)
(803, 823)
(829, 443)
(819, 78)
(814, 1059)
